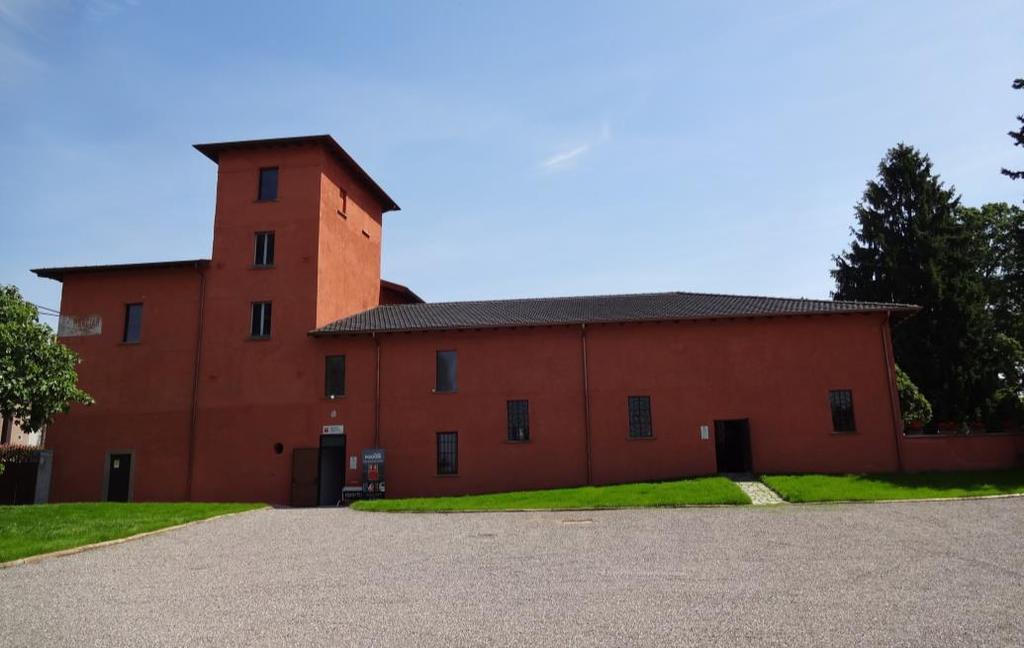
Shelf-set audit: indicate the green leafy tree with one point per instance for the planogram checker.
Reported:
(1018, 135)
(913, 404)
(1000, 229)
(911, 245)
(37, 373)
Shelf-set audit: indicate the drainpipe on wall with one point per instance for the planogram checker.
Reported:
(894, 403)
(8, 426)
(376, 394)
(586, 403)
(194, 414)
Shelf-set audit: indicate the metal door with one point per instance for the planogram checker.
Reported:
(304, 482)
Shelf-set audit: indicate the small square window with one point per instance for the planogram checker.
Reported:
(518, 420)
(264, 255)
(841, 403)
(132, 322)
(260, 319)
(447, 453)
(268, 184)
(334, 380)
(445, 378)
(640, 417)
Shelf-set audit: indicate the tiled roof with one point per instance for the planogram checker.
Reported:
(650, 307)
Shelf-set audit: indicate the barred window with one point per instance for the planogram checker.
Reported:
(841, 402)
(447, 453)
(260, 319)
(334, 379)
(518, 420)
(640, 417)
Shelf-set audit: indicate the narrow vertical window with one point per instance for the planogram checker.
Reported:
(132, 322)
(841, 402)
(268, 184)
(518, 420)
(264, 255)
(447, 453)
(260, 319)
(445, 372)
(640, 417)
(343, 203)
(335, 376)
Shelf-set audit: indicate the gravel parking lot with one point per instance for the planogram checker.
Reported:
(896, 574)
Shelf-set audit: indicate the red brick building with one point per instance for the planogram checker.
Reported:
(263, 372)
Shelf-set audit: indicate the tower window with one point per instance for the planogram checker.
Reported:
(268, 183)
(334, 380)
(264, 249)
(260, 320)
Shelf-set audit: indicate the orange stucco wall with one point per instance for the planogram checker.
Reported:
(142, 391)
(775, 372)
(973, 452)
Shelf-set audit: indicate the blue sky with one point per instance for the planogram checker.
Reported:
(536, 148)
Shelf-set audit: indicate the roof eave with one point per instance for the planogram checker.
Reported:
(58, 273)
(212, 151)
(908, 311)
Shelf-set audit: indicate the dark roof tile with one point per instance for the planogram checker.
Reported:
(650, 307)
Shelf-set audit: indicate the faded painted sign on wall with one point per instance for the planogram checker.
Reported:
(79, 325)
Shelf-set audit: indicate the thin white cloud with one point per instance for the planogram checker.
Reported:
(569, 157)
(564, 159)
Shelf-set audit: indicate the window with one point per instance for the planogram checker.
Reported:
(132, 322)
(260, 319)
(343, 211)
(640, 417)
(447, 453)
(334, 380)
(841, 401)
(445, 372)
(264, 249)
(268, 184)
(518, 420)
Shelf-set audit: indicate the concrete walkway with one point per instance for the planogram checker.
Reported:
(758, 493)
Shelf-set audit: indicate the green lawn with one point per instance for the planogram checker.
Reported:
(832, 488)
(30, 530)
(704, 490)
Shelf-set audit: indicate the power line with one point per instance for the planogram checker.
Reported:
(46, 308)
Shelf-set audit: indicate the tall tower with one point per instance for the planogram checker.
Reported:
(323, 215)
(296, 245)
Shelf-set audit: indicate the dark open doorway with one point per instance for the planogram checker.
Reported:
(119, 476)
(332, 469)
(732, 446)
